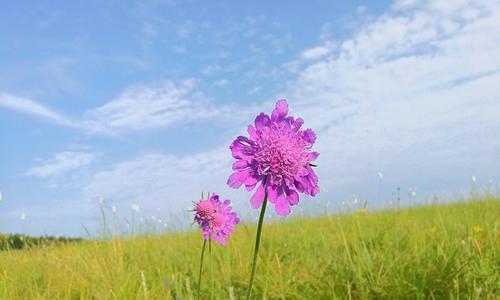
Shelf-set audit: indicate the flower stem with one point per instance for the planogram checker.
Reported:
(211, 268)
(257, 244)
(201, 267)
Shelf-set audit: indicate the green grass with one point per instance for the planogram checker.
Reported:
(21, 241)
(418, 253)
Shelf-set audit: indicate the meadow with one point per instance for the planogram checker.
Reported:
(447, 251)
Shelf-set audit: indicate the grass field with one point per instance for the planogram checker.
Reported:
(433, 252)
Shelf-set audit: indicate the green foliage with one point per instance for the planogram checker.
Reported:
(21, 241)
(434, 252)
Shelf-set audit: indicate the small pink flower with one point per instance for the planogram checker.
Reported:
(216, 218)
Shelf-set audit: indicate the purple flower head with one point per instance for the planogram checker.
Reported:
(216, 218)
(276, 156)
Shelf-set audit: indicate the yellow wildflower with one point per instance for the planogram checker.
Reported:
(477, 229)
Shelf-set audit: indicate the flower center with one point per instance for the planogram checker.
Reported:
(280, 153)
(205, 209)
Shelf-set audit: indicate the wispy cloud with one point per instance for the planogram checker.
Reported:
(61, 163)
(221, 82)
(315, 53)
(149, 106)
(156, 105)
(255, 90)
(33, 108)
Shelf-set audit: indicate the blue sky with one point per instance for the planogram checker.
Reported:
(137, 102)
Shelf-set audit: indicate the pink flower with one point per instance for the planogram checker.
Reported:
(215, 218)
(277, 157)
(204, 209)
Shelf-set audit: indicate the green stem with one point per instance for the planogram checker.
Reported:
(257, 244)
(201, 267)
(211, 268)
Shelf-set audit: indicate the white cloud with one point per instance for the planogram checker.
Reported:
(221, 82)
(361, 9)
(61, 163)
(148, 106)
(314, 53)
(255, 90)
(156, 105)
(31, 107)
(404, 4)
(211, 70)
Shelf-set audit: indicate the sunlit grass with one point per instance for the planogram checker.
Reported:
(449, 251)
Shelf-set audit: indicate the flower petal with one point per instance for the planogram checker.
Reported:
(241, 148)
(250, 187)
(214, 197)
(261, 121)
(312, 181)
(309, 136)
(281, 206)
(238, 178)
(280, 112)
(300, 183)
(292, 197)
(252, 132)
(313, 156)
(245, 141)
(258, 197)
(251, 181)
(240, 164)
(298, 123)
(272, 193)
